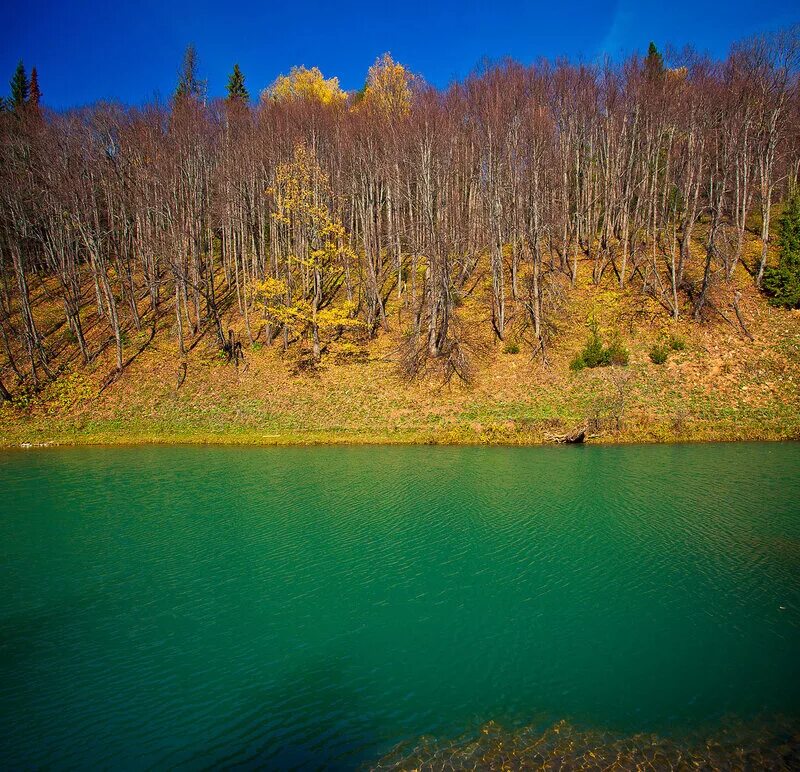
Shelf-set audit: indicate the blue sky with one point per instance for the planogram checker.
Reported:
(89, 49)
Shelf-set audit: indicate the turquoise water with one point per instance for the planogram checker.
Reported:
(193, 606)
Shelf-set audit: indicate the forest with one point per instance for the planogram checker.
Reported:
(307, 214)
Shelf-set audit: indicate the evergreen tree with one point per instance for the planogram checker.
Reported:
(654, 62)
(35, 96)
(20, 87)
(783, 282)
(236, 88)
(189, 84)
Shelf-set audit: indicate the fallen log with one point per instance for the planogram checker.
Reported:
(576, 437)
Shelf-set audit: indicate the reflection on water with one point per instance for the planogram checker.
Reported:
(775, 746)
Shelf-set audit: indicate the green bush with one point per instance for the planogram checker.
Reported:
(676, 343)
(511, 347)
(616, 353)
(783, 281)
(594, 354)
(658, 354)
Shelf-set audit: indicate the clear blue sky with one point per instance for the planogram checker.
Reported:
(87, 50)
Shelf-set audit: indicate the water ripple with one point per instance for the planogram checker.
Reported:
(301, 608)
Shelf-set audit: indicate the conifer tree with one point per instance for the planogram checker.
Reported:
(189, 84)
(783, 281)
(35, 95)
(20, 87)
(654, 62)
(236, 88)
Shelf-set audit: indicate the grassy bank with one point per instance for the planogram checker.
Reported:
(720, 386)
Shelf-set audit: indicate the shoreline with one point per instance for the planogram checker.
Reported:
(356, 439)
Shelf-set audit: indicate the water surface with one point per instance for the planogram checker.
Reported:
(284, 607)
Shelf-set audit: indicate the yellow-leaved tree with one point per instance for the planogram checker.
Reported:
(388, 86)
(305, 83)
(316, 247)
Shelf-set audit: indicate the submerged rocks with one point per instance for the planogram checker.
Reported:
(563, 746)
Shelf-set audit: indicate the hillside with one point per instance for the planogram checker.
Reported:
(408, 263)
(721, 386)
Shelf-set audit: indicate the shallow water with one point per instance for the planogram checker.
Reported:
(193, 606)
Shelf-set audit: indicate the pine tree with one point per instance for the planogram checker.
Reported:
(189, 84)
(236, 88)
(20, 87)
(35, 95)
(783, 281)
(654, 62)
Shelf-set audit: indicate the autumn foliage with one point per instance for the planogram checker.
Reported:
(317, 215)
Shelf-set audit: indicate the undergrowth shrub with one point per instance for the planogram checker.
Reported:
(577, 363)
(511, 347)
(616, 353)
(658, 353)
(676, 343)
(594, 354)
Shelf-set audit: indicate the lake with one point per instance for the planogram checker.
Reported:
(303, 607)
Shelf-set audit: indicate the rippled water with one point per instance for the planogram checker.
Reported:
(317, 606)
